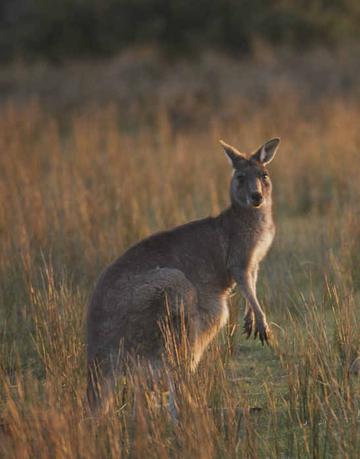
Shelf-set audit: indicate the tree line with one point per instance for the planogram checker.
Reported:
(57, 29)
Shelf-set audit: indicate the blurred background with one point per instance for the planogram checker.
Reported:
(185, 58)
(57, 29)
(110, 116)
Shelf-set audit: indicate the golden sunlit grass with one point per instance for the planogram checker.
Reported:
(75, 193)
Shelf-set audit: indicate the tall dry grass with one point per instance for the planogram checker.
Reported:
(77, 190)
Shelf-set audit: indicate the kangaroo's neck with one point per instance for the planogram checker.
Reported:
(246, 234)
(237, 220)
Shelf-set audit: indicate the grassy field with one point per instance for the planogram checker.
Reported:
(94, 157)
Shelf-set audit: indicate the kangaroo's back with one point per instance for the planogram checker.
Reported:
(195, 248)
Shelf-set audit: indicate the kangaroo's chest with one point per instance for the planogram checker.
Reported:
(262, 245)
(249, 247)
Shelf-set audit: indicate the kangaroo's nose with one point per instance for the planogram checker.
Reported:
(257, 198)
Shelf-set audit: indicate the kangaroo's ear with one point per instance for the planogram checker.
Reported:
(235, 157)
(266, 152)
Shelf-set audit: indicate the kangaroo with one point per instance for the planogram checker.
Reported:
(199, 263)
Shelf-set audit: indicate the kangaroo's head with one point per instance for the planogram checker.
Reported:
(251, 184)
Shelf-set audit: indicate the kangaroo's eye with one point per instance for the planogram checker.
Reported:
(265, 177)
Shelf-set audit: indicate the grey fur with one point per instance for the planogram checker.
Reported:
(198, 264)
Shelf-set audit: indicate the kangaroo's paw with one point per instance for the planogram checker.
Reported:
(249, 320)
(263, 330)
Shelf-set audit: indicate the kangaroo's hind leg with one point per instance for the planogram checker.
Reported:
(138, 316)
(179, 324)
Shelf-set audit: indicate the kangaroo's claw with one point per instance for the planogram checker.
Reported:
(248, 323)
(247, 330)
(262, 329)
(259, 326)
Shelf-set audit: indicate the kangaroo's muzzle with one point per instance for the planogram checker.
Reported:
(257, 199)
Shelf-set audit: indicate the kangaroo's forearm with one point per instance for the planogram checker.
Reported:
(247, 284)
